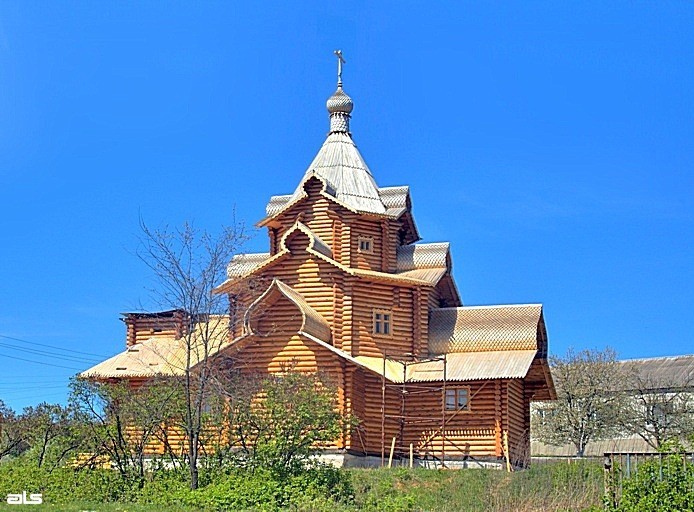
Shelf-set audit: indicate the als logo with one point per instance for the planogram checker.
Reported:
(22, 499)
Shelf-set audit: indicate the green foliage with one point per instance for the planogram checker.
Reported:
(555, 487)
(660, 487)
(104, 411)
(282, 421)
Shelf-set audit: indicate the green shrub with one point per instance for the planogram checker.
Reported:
(660, 488)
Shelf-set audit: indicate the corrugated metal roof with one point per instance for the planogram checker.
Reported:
(485, 328)
(660, 372)
(312, 322)
(430, 275)
(511, 364)
(633, 444)
(277, 204)
(163, 355)
(418, 256)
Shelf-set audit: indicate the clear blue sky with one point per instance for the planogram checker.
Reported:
(549, 142)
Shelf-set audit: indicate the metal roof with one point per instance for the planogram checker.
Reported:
(485, 328)
(348, 178)
(164, 355)
(659, 373)
(395, 199)
(419, 256)
(505, 364)
(242, 264)
(460, 367)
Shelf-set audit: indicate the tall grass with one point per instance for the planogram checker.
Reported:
(544, 487)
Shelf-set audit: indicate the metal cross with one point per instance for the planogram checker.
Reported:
(340, 62)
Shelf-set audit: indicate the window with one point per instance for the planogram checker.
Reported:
(458, 399)
(366, 244)
(383, 322)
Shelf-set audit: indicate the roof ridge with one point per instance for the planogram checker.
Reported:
(493, 306)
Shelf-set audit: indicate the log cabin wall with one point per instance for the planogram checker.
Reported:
(371, 297)
(467, 433)
(367, 391)
(143, 326)
(516, 422)
(371, 232)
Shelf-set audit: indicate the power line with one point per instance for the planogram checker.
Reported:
(40, 362)
(100, 356)
(5, 390)
(39, 352)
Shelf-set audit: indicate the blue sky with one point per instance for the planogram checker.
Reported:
(549, 142)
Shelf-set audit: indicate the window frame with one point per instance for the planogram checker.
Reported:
(384, 323)
(457, 392)
(366, 239)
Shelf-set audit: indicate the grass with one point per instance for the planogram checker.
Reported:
(544, 487)
(100, 507)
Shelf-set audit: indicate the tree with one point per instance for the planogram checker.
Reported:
(660, 409)
(12, 440)
(119, 420)
(589, 403)
(51, 433)
(278, 422)
(187, 265)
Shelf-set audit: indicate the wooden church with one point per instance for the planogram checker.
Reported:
(347, 290)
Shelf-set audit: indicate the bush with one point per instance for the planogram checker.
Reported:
(63, 485)
(666, 487)
(317, 488)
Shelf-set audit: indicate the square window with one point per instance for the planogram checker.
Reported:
(458, 399)
(366, 244)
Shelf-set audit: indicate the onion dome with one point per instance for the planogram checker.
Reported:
(340, 102)
(340, 107)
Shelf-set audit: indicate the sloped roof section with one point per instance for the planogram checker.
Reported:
(242, 264)
(511, 364)
(460, 367)
(395, 199)
(660, 373)
(421, 256)
(486, 328)
(164, 355)
(316, 243)
(346, 174)
(277, 204)
(312, 323)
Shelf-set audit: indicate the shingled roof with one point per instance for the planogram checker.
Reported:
(486, 328)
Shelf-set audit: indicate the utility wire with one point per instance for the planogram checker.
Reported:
(40, 362)
(100, 356)
(74, 359)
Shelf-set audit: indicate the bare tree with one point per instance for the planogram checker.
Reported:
(660, 408)
(187, 265)
(589, 403)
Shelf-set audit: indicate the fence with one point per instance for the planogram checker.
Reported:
(620, 467)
